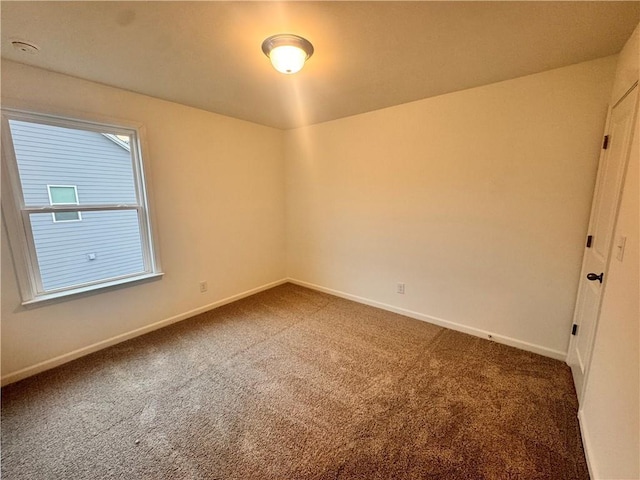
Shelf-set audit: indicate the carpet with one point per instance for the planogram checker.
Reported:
(295, 384)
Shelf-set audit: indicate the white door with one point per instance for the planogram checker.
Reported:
(611, 172)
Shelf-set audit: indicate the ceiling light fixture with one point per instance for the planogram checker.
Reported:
(287, 52)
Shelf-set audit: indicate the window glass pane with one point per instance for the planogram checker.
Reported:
(66, 216)
(63, 195)
(104, 245)
(100, 165)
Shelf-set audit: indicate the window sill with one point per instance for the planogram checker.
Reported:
(90, 289)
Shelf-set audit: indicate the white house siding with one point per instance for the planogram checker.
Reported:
(102, 172)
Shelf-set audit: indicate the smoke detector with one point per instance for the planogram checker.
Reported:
(25, 47)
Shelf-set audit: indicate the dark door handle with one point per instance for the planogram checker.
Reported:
(593, 277)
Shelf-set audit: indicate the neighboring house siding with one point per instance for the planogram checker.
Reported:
(101, 170)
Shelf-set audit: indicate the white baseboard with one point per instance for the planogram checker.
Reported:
(586, 443)
(512, 342)
(67, 357)
(81, 352)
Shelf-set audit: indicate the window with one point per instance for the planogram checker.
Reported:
(89, 179)
(64, 195)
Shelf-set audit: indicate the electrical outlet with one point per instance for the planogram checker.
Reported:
(400, 288)
(203, 287)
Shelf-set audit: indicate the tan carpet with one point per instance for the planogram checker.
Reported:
(294, 384)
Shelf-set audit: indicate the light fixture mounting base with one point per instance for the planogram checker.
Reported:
(282, 39)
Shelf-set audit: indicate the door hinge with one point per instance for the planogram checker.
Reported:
(574, 329)
(589, 240)
(605, 142)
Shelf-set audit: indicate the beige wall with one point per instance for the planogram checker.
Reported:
(627, 67)
(610, 411)
(218, 186)
(477, 200)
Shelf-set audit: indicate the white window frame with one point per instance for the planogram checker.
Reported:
(17, 214)
(51, 202)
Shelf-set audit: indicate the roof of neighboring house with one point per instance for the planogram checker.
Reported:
(120, 140)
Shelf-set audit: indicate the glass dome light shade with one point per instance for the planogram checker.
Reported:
(287, 59)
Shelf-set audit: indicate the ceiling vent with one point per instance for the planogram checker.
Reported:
(25, 47)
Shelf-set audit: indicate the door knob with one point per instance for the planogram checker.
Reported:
(593, 277)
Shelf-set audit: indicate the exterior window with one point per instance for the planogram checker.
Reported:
(64, 195)
(89, 178)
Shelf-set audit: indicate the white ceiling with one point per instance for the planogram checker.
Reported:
(368, 55)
